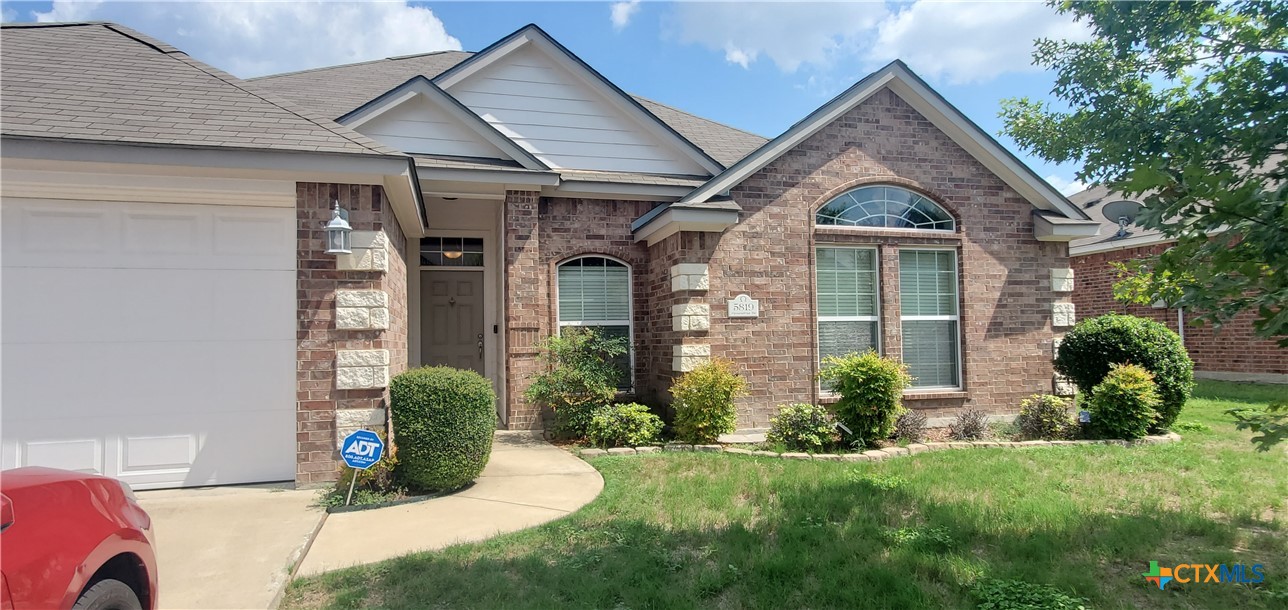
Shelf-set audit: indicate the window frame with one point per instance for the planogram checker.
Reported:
(909, 230)
(630, 311)
(819, 319)
(955, 317)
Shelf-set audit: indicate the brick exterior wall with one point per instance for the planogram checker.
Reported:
(1234, 348)
(317, 399)
(1004, 272)
(541, 233)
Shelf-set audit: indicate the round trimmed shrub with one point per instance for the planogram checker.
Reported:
(443, 420)
(1094, 344)
(871, 389)
(804, 427)
(626, 425)
(704, 401)
(1124, 404)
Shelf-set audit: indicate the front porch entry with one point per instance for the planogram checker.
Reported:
(456, 318)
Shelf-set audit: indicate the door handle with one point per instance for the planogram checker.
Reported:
(480, 346)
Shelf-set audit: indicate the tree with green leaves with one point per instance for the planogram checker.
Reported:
(1183, 106)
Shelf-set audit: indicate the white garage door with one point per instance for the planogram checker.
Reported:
(150, 342)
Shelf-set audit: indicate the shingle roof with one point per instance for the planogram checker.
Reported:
(106, 83)
(338, 90)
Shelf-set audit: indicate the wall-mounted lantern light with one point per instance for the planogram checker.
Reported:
(337, 231)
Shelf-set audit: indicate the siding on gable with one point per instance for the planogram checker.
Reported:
(419, 126)
(562, 121)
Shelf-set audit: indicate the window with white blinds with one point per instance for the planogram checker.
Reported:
(929, 317)
(848, 305)
(595, 293)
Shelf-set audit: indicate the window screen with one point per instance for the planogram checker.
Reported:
(928, 314)
(847, 300)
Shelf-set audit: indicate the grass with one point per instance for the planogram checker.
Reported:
(722, 531)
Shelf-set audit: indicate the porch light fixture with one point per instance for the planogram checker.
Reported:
(452, 254)
(337, 231)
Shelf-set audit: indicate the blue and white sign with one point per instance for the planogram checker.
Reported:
(362, 449)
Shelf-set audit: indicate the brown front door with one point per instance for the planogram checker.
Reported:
(452, 319)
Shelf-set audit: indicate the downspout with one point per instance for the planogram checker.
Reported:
(1180, 324)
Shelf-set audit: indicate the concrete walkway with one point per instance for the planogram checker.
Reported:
(527, 482)
(228, 547)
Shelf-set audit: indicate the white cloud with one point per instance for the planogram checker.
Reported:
(256, 38)
(957, 42)
(622, 13)
(790, 34)
(970, 41)
(1066, 187)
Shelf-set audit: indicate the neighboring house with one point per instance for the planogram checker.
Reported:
(1232, 352)
(164, 256)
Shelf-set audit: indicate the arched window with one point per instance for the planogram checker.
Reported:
(595, 293)
(884, 207)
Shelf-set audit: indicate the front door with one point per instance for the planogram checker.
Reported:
(452, 319)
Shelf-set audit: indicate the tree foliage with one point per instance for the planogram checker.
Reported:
(1183, 106)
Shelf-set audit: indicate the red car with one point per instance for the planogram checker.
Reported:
(73, 540)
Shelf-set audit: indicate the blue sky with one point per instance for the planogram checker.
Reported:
(758, 66)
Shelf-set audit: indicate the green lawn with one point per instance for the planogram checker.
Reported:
(709, 530)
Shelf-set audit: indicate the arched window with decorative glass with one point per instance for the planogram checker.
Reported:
(884, 207)
(595, 293)
(847, 280)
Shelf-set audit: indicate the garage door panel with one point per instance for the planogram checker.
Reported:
(79, 305)
(151, 342)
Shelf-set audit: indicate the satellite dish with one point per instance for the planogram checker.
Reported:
(1122, 212)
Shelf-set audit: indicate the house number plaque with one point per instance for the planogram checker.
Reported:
(743, 306)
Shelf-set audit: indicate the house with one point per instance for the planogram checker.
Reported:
(164, 252)
(1233, 352)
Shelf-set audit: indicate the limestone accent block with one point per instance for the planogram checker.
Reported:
(685, 364)
(690, 276)
(360, 369)
(348, 421)
(1062, 315)
(681, 351)
(1062, 386)
(1062, 280)
(361, 298)
(1055, 347)
(691, 316)
(370, 253)
(361, 310)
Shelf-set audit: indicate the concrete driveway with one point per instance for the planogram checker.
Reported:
(228, 547)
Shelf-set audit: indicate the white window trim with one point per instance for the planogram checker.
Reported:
(955, 317)
(880, 346)
(630, 308)
(911, 231)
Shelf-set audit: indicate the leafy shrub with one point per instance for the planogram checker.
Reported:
(1091, 346)
(910, 426)
(629, 424)
(1045, 417)
(443, 421)
(871, 389)
(580, 376)
(1123, 405)
(804, 427)
(991, 594)
(704, 398)
(970, 425)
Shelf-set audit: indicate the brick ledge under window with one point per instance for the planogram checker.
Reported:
(936, 395)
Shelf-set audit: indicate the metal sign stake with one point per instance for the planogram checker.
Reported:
(352, 481)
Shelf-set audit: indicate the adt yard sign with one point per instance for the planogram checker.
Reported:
(362, 449)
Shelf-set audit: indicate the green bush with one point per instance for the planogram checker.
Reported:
(580, 376)
(1094, 344)
(443, 420)
(993, 594)
(871, 389)
(629, 425)
(1045, 417)
(804, 427)
(1124, 404)
(704, 401)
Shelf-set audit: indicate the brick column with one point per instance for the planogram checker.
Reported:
(526, 305)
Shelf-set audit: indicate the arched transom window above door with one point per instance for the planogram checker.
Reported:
(884, 207)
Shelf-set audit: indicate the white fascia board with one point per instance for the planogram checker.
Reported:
(618, 190)
(525, 178)
(420, 85)
(915, 92)
(1119, 244)
(539, 39)
(674, 220)
(1068, 230)
(402, 192)
(258, 160)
